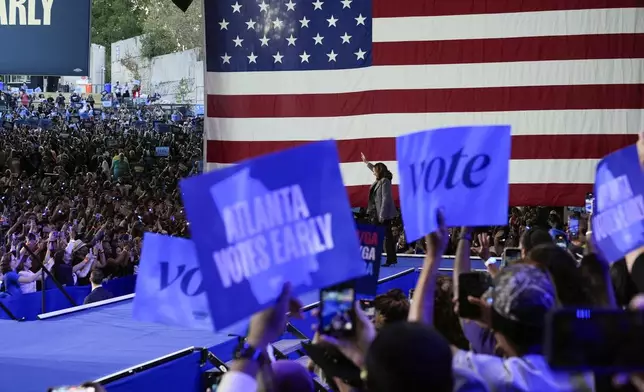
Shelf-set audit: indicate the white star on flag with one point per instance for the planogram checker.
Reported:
(360, 54)
(318, 39)
(252, 58)
(251, 24)
(277, 23)
(360, 20)
(346, 38)
(317, 5)
(264, 40)
(332, 55)
(226, 58)
(290, 6)
(278, 58)
(236, 7)
(223, 25)
(332, 21)
(346, 4)
(304, 22)
(238, 41)
(263, 7)
(305, 57)
(291, 40)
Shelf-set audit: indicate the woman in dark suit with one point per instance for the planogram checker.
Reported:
(381, 208)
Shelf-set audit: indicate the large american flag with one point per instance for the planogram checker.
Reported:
(566, 74)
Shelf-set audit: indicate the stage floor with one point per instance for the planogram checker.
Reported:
(90, 344)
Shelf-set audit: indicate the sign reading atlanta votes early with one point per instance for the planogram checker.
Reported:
(50, 37)
(618, 222)
(283, 217)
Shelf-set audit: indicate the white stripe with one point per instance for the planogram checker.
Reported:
(531, 171)
(414, 77)
(547, 122)
(521, 24)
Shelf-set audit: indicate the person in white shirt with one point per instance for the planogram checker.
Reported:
(28, 284)
(515, 308)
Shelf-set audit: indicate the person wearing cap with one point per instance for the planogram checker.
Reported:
(515, 309)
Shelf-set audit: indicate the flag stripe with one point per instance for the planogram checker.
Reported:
(384, 149)
(420, 77)
(538, 122)
(556, 195)
(427, 101)
(535, 24)
(606, 46)
(522, 171)
(389, 9)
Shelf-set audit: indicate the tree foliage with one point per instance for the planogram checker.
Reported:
(115, 20)
(167, 29)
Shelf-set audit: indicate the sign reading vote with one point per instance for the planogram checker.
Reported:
(371, 242)
(618, 221)
(463, 170)
(277, 218)
(169, 286)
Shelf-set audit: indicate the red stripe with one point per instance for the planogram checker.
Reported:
(577, 47)
(628, 96)
(392, 9)
(384, 149)
(555, 195)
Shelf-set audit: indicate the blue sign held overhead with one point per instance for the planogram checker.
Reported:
(618, 219)
(169, 286)
(271, 220)
(162, 151)
(454, 169)
(371, 243)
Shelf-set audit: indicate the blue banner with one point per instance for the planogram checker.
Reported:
(618, 219)
(371, 242)
(162, 151)
(454, 169)
(169, 286)
(271, 220)
(36, 30)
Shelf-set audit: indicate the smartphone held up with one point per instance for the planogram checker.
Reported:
(337, 316)
(471, 284)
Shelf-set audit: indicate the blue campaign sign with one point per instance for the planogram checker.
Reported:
(162, 151)
(618, 219)
(454, 169)
(36, 30)
(271, 220)
(169, 286)
(371, 242)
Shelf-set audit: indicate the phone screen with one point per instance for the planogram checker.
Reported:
(573, 226)
(602, 340)
(510, 255)
(336, 311)
(368, 307)
(590, 201)
(471, 284)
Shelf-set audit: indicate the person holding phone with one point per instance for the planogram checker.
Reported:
(250, 357)
(381, 208)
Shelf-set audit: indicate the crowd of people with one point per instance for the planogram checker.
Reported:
(81, 184)
(425, 343)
